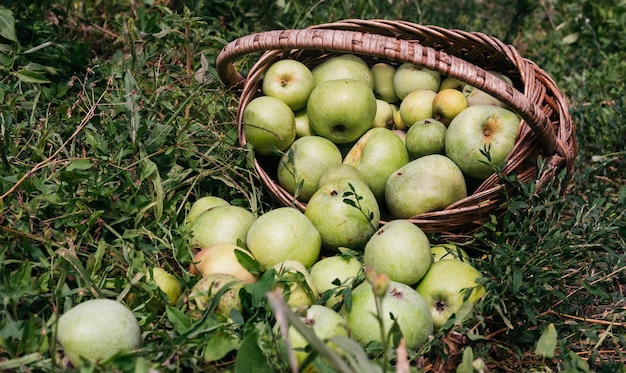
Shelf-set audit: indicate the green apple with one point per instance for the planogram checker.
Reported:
(399, 249)
(377, 154)
(295, 284)
(451, 83)
(335, 273)
(221, 258)
(304, 163)
(384, 115)
(167, 283)
(444, 288)
(303, 127)
(447, 251)
(221, 224)
(346, 66)
(201, 205)
(269, 125)
(476, 96)
(409, 78)
(398, 124)
(345, 213)
(416, 106)
(341, 110)
(383, 81)
(283, 234)
(426, 184)
(342, 171)
(205, 290)
(96, 330)
(408, 308)
(290, 81)
(424, 137)
(478, 130)
(447, 104)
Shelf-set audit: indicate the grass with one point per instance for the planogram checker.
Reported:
(113, 122)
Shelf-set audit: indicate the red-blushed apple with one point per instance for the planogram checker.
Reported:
(424, 137)
(384, 115)
(294, 282)
(401, 250)
(290, 81)
(428, 183)
(167, 283)
(408, 308)
(221, 258)
(96, 330)
(345, 66)
(409, 78)
(416, 106)
(335, 273)
(342, 171)
(283, 234)
(341, 110)
(447, 251)
(447, 104)
(345, 213)
(207, 288)
(383, 82)
(201, 205)
(477, 131)
(221, 224)
(303, 127)
(304, 163)
(269, 125)
(377, 154)
(444, 288)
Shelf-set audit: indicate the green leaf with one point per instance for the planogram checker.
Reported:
(29, 76)
(7, 24)
(547, 342)
(219, 345)
(250, 357)
(466, 363)
(79, 165)
(179, 320)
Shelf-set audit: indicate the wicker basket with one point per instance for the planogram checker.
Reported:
(546, 128)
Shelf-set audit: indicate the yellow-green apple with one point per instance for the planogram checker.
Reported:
(448, 251)
(221, 258)
(203, 293)
(345, 66)
(409, 78)
(476, 96)
(398, 124)
(479, 131)
(335, 273)
(290, 81)
(269, 125)
(201, 205)
(428, 183)
(408, 308)
(345, 213)
(167, 283)
(96, 330)
(283, 234)
(303, 127)
(451, 83)
(342, 171)
(377, 154)
(416, 106)
(221, 224)
(304, 163)
(383, 81)
(341, 110)
(445, 293)
(399, 249)
(424, 137)
(384, 115)
(447, 104)
(294, 282)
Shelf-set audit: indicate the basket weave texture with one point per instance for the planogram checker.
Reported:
(546, 128)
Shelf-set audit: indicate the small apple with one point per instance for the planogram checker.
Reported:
(201, 205)
(342, 171)
(424, 137)
(304, 163)
(283, 234)
(451, 83)
(96, 330)
(476, 96)
(221, 258)
(416, 106)
(428, 183)
(341, 110)
(335, 273)
(408, 308)
(478, 130)
(384, 115)
(294, 281)
(377, 154)
(444, 288)
(290, 81)
(409, 78)
(269, 125)
(447, 251)
(221, 224)
(167, 283)
(345, 213)
(303, 127)
(383, 82)
(346, 66)
(205, 290)
(447, 104)
(398, 124)
(399, 249)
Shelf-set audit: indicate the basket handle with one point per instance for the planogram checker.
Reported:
(392, 49)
